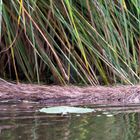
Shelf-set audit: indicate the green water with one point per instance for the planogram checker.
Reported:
(22, 122)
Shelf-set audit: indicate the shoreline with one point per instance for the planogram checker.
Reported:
(123, 95)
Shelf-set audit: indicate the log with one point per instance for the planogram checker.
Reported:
(70, 95)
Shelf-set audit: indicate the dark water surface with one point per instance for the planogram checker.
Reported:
(22, 122)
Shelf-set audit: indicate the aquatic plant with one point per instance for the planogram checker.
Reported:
(70, 41)
(66, 110)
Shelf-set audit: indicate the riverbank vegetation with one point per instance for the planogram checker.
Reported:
(70, 41)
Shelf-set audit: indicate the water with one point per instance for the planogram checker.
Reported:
(22, 122)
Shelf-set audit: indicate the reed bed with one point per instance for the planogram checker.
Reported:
(83, 42)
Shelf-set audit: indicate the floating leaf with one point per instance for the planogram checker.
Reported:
(66, 110)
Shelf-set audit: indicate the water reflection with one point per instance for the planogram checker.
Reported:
(19, 122)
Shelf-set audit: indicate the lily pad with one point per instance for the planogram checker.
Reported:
(66, 110)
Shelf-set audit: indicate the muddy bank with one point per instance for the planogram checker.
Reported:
(70, 95)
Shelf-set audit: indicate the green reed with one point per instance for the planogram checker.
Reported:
(86, 42)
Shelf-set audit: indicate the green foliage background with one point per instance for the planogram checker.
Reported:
(88, 42)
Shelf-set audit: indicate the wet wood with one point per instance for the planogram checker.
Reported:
(70, 95)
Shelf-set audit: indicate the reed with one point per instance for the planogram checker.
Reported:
(86, 42)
